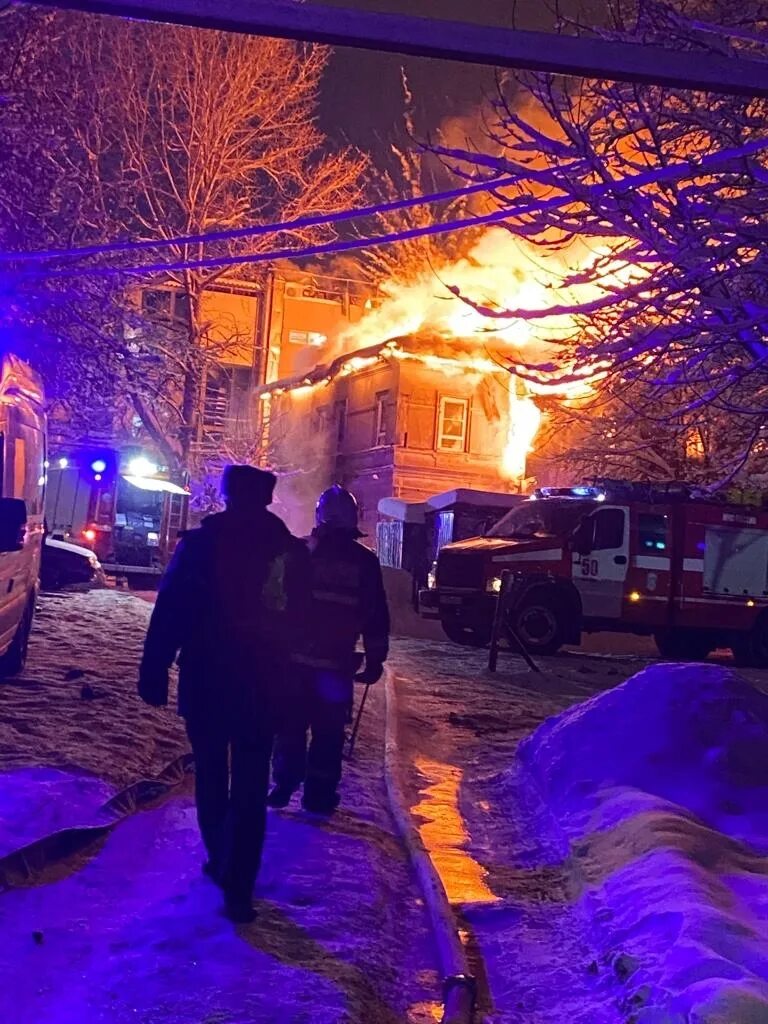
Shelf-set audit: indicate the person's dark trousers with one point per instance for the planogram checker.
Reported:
(231, 784)
(326, 748)
(289, 757)
(323, 709)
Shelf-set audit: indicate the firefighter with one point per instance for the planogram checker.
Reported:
(348, 601)
(228, 605)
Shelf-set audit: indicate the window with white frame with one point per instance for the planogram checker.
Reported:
(380, 419)
(452, 424)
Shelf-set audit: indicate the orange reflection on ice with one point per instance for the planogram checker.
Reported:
(445, 837)
(424, 1013)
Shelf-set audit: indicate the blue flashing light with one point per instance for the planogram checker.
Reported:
(588, 492)
(98, 466)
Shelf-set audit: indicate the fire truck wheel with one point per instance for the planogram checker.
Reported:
(466, 635)
(741, 645)
(752, 649)
(538, 623)
(683, 645)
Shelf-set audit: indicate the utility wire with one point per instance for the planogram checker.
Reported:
(671, 172)
(253, 230)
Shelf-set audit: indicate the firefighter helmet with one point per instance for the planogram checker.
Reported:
(337, 508)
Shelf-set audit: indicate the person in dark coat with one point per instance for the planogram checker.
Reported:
(348, 601)
(228, 606)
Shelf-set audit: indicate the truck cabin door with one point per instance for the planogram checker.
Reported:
(601, 560)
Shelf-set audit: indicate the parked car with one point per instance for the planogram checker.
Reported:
(64, 565)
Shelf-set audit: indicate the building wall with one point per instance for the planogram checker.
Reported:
(305, 310)
(422, 468)
(329, 435)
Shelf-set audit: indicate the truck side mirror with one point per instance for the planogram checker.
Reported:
(13, 522)
(583, 537)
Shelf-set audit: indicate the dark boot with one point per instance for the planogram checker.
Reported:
(213, 872)
(320, 803)
(239, 908)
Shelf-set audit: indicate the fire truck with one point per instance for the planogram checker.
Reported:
(660, 560)
(117, 503)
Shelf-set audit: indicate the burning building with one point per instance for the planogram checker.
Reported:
(416, 396)
(408, 417)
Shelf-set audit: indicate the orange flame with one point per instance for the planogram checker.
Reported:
(498, 273)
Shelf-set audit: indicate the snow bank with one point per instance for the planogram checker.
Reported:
(661, 787)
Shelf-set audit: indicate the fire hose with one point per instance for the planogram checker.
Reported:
(459, 986)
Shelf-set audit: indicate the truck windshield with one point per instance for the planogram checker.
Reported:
(134, 500)
(548, 517)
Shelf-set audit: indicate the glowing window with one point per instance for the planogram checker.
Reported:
(380, 419)
(307, 338)
(452, 425)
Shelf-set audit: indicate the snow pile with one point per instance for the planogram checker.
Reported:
(661, 787)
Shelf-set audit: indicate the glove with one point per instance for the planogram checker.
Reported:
(372, 672)
(153, 686)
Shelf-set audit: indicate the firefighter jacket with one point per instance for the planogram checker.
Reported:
(347, 602)
(229, 606)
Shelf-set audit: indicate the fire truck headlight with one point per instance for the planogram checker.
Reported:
(635, 596)
(153, 539)
(432, 578)
(493, 586)
(141, 466)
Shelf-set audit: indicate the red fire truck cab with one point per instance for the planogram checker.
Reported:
(626, 557)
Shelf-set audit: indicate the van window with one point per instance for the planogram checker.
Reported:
(19, 467)
(609, 529)
(653, 532)
(28, 467)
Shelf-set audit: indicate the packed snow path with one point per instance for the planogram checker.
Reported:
(129, 930)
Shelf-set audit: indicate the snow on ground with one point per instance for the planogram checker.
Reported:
(129, 929)
(548, 891)
(506, 875)
(661, 789)
(544, 949)
(75, 705)
(72, 730)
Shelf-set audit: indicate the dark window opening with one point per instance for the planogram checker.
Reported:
(341, 421)
(609, 529)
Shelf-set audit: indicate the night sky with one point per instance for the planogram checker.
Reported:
(362, 98)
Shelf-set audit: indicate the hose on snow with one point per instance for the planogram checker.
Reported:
(23, 865)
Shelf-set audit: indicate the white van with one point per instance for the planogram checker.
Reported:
(22, 494)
